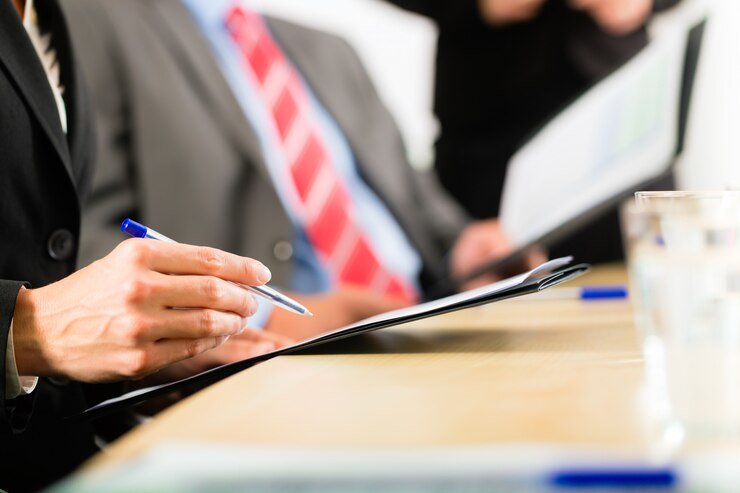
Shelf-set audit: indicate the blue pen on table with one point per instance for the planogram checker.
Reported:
(616, 478)
(131, 227)
(586, 293)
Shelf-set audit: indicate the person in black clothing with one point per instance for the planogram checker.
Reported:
(109, 321)
(503, 68)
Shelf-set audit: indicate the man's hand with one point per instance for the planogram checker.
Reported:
(503, 12)
(617, 17)
(480, 243)
(115, 319)
(248, 344)
(330, 311)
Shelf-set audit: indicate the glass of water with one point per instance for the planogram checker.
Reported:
(688, 201)
(683, 251)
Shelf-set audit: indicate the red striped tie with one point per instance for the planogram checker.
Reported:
(321, 195)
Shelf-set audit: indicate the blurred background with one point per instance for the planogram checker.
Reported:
(398, 49)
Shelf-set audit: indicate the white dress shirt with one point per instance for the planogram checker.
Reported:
(16, 385)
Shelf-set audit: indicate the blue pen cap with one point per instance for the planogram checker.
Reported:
(131, 227)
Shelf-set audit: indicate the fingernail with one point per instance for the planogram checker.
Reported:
(263, 273)
(221, 339)
(253, 305)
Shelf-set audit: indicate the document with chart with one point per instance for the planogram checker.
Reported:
(618, 137)
(546, 275)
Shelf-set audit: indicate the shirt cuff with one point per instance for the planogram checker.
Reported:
(15, 385)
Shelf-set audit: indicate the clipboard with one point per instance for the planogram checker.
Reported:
(679, 50)
(549, 274)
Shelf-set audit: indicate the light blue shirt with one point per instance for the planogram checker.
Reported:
(386, 236)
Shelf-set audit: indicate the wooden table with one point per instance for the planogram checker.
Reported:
(565, 371)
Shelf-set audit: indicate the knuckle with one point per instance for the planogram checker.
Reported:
(238, 324)
(136, 252)
(250, 269)
(244, 308)
(209, 323)
(195, 347)
(213, 289)
(137, 290)
(135, 329)
(250, 305)
(138, 362)
(213, 260)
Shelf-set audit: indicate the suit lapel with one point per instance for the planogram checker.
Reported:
(192, 52)
(79, 135)
(22, 63)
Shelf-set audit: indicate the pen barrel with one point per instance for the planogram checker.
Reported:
(138, 230)
(274, 296)
(603, 292)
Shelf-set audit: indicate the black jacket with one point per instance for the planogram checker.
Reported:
(495, 86)
(43, 175)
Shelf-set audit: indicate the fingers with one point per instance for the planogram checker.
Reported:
(618, 17)
(239, 349)
(480, 243)
(363, 304)
(535, 256)
(189, 324)
(177, 258)
(245, 345)
(203, 292)
(502, 12)
(582, 4)
(233, 350)
(491, 250)
(166, 352)
(387, 304)
(278, 341)
(480, 281)
(530, 8)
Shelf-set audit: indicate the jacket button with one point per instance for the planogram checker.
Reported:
(61, 245)
(283, 251)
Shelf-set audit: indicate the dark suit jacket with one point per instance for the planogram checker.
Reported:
(43, 172)
(495, 86)
(176, 151)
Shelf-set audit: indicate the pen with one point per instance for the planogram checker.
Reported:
(131, 227)
(586, 293)
(619, 478)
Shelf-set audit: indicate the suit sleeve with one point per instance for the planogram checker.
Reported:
(112, 193)
(15, 413)
(442, 212)
(8, 294)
